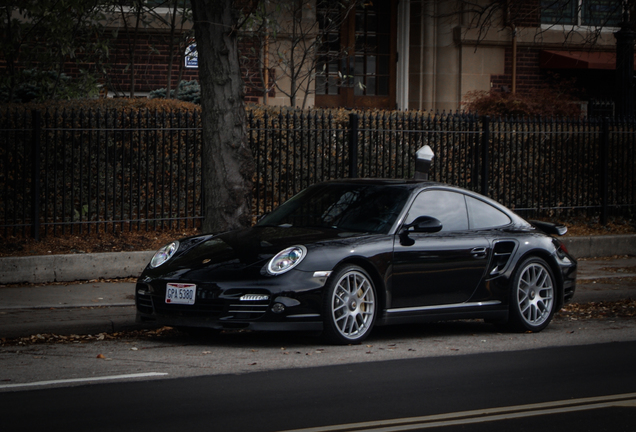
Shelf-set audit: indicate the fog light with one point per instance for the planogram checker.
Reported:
(278, 308)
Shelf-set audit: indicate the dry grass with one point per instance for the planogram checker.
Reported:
(120, 241)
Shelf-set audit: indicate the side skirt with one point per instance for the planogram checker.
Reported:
(490, 310)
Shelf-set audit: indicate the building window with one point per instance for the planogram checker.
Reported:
(592, 13)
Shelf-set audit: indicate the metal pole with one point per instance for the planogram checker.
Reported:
(485, 160)
(604, 171)
(353, 145)
(35, 175)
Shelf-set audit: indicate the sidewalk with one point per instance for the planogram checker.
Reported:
(86, 308)
(91, 308)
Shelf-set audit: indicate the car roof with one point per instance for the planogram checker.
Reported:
(415, 184)
(408, 183)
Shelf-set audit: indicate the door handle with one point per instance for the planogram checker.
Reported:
(479, 252)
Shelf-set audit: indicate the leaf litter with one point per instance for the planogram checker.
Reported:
(620, 309)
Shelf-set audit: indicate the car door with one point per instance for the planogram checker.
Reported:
(438, 268)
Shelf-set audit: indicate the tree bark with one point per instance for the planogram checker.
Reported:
(228, 165)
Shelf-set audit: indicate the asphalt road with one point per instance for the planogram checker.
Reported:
(462, 375)
(504, 387)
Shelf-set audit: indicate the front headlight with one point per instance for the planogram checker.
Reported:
(164, 254)
(286, 260)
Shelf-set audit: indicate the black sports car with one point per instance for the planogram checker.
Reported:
(343, 256)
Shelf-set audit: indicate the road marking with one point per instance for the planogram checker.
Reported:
(481, 416)
(79, 380)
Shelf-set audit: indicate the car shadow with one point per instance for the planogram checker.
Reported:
(290, 339)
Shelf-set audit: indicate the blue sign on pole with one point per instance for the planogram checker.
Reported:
(191, 56)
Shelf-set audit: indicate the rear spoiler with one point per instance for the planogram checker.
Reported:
(549, 227)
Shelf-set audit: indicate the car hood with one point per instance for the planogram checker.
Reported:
(245, 251)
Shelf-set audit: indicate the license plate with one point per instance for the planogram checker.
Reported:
(181, 293)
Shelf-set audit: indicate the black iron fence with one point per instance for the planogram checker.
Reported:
(544, 167)
(73, 172)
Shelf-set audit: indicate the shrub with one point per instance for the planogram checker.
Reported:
(555, 100)
(189, 91)
(36, 85)
(120, 104)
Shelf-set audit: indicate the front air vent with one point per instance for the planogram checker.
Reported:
(250, 311)
(502, 251)
(143, 299)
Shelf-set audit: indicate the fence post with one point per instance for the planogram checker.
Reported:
(604, 192)
(35, 174)
(353, 145)
(485, 149)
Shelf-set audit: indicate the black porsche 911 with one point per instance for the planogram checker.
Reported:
(343, 256)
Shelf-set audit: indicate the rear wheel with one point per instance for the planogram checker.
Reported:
(349, 306)
(532, 300)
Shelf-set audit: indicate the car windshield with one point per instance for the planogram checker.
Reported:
(349, 207)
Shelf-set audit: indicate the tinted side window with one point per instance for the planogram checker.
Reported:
(448, 207)
(483, 215)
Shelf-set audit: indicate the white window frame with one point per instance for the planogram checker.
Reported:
(578, 26)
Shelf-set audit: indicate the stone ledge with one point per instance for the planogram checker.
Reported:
(600, 246)
(72, 267)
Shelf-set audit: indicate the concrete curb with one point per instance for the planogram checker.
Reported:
(601, 246)
(81, 327)
(72, 267)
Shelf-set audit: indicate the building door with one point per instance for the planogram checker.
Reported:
(357, 59)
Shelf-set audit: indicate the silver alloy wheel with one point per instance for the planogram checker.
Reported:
(535, 294)
(353, 305)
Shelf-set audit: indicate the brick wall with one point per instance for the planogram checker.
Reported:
(526, 13)
(151, 64)
(529, 75)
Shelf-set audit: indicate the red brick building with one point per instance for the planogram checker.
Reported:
(407, 54)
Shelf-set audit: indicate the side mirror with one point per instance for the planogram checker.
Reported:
(425, 224)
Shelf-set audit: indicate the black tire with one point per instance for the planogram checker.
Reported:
(532, 297)
(349, 306)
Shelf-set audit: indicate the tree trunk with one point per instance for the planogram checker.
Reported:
(228, 165)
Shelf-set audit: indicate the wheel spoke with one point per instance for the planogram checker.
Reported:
(544, 277)
(525, 309)
(341, 298)
(356, 324)
(339, 307)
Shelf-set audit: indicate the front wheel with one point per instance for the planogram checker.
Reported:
(350, 306)
(532, 300)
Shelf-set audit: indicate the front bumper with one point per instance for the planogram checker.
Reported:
(176, 322)
(232, 306)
